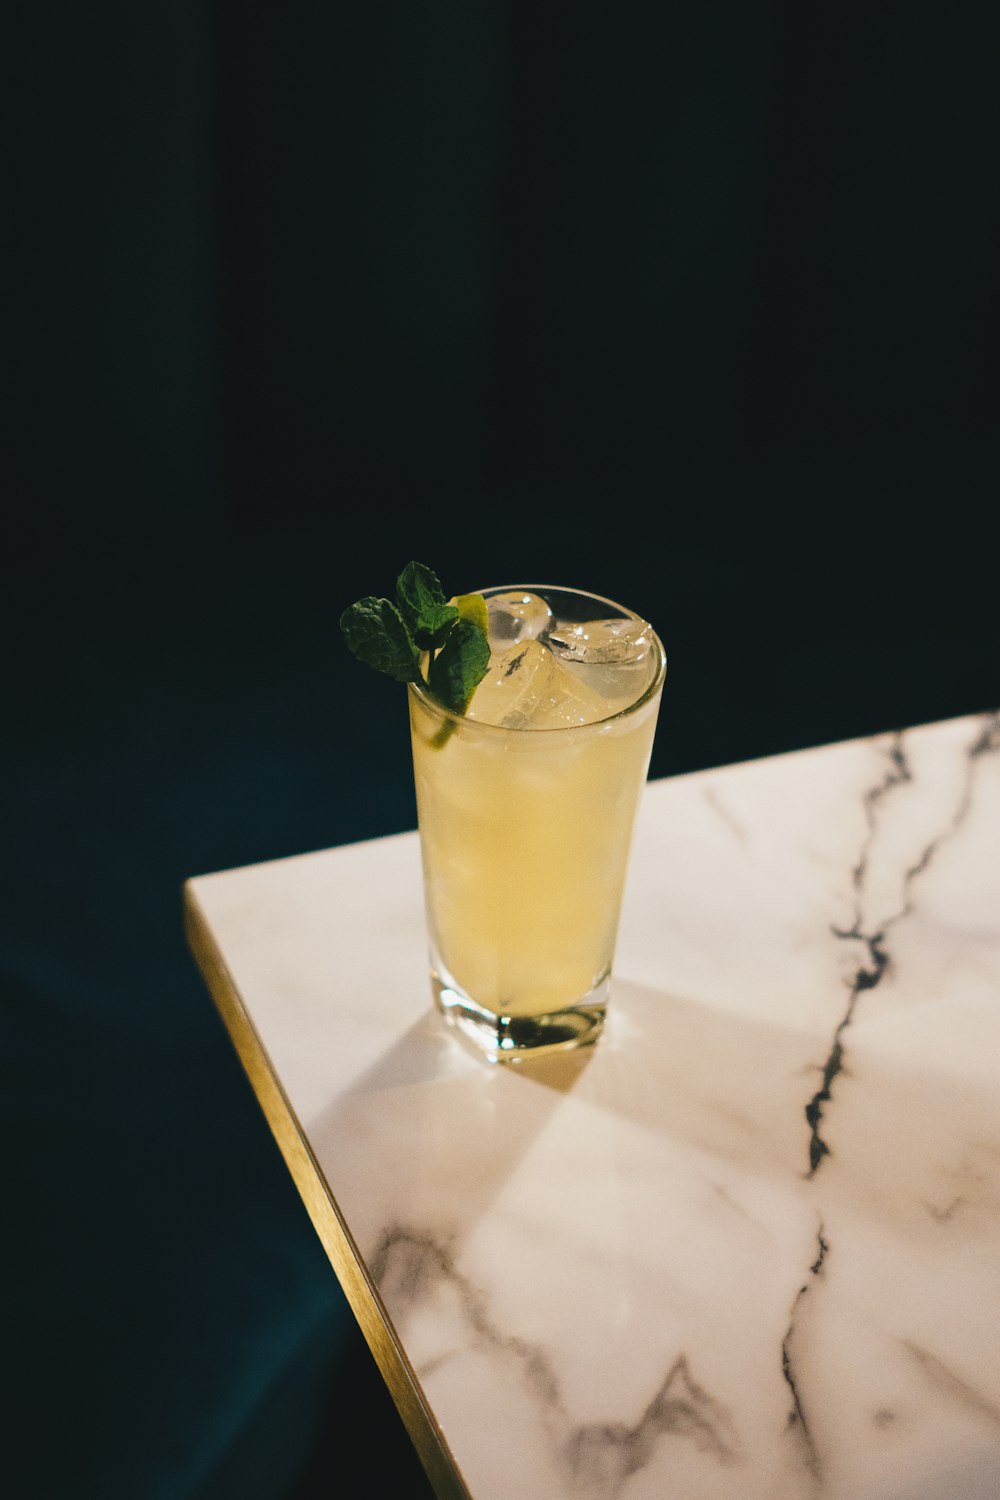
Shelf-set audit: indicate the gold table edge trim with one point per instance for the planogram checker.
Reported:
(362, 1296)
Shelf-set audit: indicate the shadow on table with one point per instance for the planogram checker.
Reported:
(907, 1142)
(428, 1099)
(911, 1141)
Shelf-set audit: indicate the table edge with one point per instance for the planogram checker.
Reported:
(363, 1298)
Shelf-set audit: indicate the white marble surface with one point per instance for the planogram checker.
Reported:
(749, 1246)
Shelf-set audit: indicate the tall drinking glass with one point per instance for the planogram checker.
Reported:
(526, 807)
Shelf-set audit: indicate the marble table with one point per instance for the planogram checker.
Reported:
(747, 1246)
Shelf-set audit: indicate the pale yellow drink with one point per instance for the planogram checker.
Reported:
(525, 835)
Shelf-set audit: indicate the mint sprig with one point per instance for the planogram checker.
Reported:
(390, 637)
(428, 615)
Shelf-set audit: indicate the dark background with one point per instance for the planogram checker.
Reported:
(693, 305)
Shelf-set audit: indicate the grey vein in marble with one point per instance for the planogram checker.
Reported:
(868, 976)
(715, 802)
(408, 1265)
(602, 1456)
(599, 1456)
(953, 1385)
(797, 1419)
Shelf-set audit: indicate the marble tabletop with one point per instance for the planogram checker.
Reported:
(748, 1245)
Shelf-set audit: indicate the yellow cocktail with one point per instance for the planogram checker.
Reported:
(526, 806)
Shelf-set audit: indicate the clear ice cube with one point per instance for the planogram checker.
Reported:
(527, 688)
(602, 642)
(613, 658)
(515, 617)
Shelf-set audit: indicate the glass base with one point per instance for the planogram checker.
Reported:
(513, 1039)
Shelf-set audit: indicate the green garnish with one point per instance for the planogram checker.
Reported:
(375, 631)
(459, 667)
(391, 637)
(428, 615)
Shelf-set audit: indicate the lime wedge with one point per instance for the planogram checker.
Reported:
(473, 607)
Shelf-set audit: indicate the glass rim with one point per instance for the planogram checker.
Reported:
(431, 703)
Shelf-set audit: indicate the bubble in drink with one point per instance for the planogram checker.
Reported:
(526, 688)
(516, 617)
(602, 642)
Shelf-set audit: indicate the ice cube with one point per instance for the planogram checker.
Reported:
(613, 658)
(602, 642)
(515, 617)
(527, 688)
(516, 682)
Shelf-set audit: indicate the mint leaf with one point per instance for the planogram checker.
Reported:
(428, 615)
(393, 638)
(459, 666)
(375, 631)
